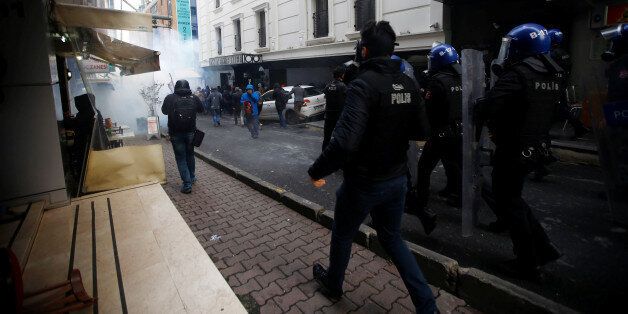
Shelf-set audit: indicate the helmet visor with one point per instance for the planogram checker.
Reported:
(430, 63)
(504, 50)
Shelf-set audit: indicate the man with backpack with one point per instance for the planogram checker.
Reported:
(249, 102)
(181, 108)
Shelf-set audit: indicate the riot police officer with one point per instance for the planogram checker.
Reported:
(563, 59)
(443, 103)
(382, 113)
(518, 111)
(335, 93)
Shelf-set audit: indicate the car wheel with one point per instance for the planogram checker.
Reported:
(292, 117)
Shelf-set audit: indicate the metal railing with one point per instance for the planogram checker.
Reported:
(238, 43)
(262, 36)
(321, 23)
(364, 12)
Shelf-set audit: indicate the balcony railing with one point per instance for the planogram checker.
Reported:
(321, 23)
(238, 43)
(262, 36)
(364, 12)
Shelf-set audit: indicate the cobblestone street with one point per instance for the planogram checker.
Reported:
(266, 251)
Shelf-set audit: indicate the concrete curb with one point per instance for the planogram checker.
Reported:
(481, 290)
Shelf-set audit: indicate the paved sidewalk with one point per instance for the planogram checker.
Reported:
(266, 251)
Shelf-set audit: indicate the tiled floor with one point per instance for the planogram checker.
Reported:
(266, 251)
(143, 258)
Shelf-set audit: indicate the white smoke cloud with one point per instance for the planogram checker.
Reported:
(121, 101)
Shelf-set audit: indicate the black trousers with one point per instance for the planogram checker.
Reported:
(331, 118)
(528, 236)
(449, 151)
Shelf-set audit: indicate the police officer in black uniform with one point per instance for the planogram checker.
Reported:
(335, 93)
(382, 113)
(563, 59)
(518, 111)
(443, 103)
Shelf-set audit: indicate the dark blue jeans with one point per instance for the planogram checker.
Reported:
(216, 116)
(184, 154)
(282, 118)
(355, 199)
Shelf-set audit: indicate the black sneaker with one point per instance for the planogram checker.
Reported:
(320, 275)
(186, 190)
(548, 254)
(428, 220)
(497, 227)
(517, 269)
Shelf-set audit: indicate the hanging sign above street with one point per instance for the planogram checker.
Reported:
(184, 24)
(95, 66)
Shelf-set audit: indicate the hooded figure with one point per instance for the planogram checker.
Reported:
(181, 108)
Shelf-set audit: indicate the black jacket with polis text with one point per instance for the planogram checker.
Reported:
(382, 112)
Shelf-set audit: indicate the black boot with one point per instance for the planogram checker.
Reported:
(518, 269)
(320, 275)
(548, 254)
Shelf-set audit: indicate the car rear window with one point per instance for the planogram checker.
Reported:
(311, 91)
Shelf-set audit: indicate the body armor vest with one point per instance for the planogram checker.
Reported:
(542, 93)
(397, 117)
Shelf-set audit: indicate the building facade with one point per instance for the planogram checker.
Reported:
(301, 41)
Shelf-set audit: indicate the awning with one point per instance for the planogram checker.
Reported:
(130, 58)
(70, 15)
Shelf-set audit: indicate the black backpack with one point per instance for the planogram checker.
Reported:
(184, 114)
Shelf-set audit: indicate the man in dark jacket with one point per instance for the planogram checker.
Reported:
(215, 103)
(382, 113)
(335, 93)
(181, 108)
(235, 105)
(281, 98)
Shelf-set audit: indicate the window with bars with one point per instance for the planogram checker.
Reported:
(364, 12)
(237, 30)
(219, 40)
(261, 16)
(321, 18)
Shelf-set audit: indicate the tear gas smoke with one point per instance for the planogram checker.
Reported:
(120, 98)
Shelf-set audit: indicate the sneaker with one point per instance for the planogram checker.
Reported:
(186, 190)
(497, 227)
(320, 275)
(520, 270)
(548, 254)
(193, 180)
(428, 221)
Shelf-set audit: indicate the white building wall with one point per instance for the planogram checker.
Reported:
(289, 27)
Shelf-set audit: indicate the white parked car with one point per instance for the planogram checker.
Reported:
(314, 105)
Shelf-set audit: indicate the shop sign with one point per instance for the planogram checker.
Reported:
(184, 24)
(153, 125)
(95, 66)
(235, 59)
